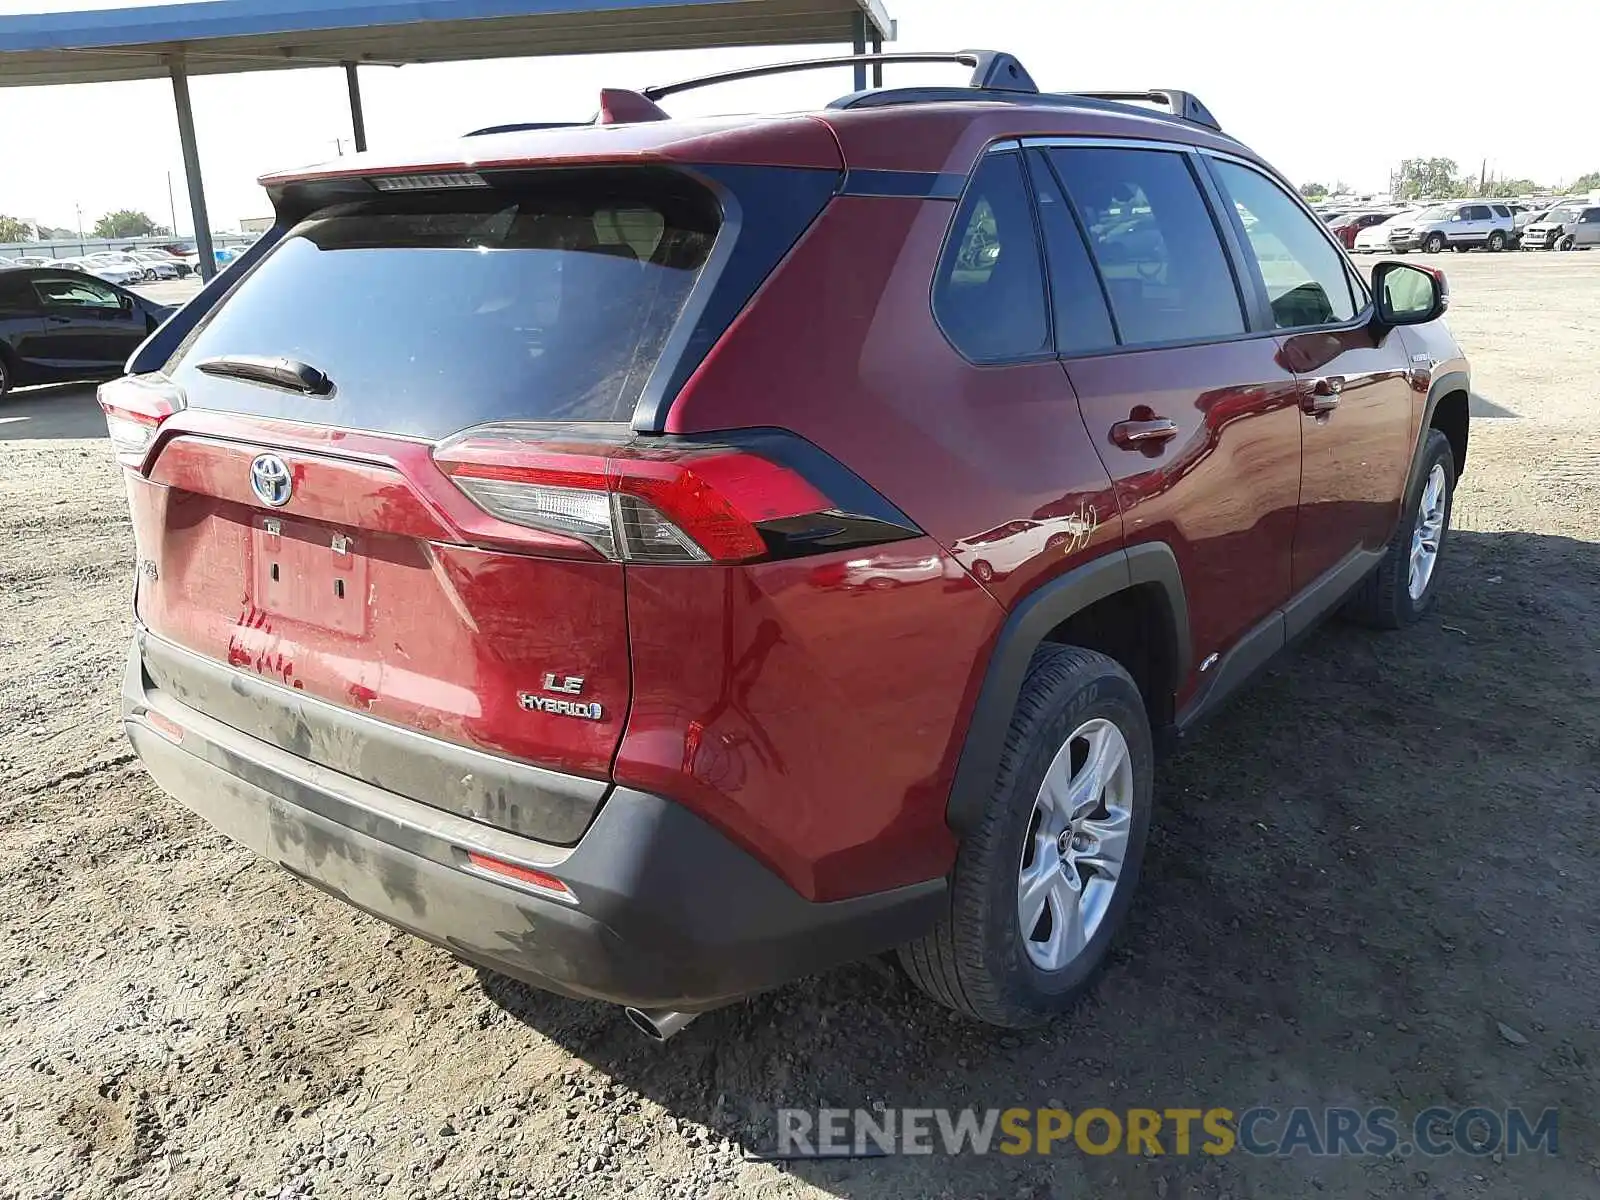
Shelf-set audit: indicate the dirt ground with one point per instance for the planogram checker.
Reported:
(1359, 872)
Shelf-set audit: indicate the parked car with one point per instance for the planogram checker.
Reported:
(32, 260)
(59, 325)
(1566, 227)
(121, 258)
(1457, 226)
(1375, 239)
(528, 598)
(118, 273)
(1346, 226)
(160, 264)
(222, 256)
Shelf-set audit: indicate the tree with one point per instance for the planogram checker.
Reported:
(126, 223)
(1510, 188)
(1313, 191)
(14, 230)
(1435, 177)
(1585, 183)
(46, 234)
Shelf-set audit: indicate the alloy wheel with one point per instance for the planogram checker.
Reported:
(1076, 845)
(1427, 533)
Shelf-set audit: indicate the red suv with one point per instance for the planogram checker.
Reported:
(658, 559)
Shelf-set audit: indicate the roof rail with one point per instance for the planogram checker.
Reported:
(1179, 104)
(888, 97)
(993, 70)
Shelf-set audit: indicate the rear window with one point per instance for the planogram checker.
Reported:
(551, 298)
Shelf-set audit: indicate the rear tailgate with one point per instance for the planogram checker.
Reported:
(308, 572)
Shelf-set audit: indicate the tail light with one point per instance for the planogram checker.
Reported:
(135, 406)
(737, 497)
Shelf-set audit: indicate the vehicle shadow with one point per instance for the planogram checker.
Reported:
(1346, 897)
(1479, 405)
(51, 411)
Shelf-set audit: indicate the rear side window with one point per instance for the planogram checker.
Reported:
(549, 299)
(1500, 210)
(989, 295)
(1083, 322)
(1155, 243)
(1304, 275)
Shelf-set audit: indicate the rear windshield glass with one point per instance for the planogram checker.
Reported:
(548, 299)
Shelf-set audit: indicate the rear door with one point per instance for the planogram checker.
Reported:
(1355, 397)
(1476, 223)
(301, 529)
(1194, 418)
(1587, 228)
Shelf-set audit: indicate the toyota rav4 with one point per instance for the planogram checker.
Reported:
(657, 559)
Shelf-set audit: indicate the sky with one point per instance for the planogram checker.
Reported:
(1325, 91)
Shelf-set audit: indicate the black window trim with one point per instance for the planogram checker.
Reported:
(1258, 323)
(1362, 302)
(1007, 145)
(1257, 311)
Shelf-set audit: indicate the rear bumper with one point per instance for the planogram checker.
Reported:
(668, 912)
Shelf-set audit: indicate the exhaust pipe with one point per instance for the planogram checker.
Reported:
(659, 1024)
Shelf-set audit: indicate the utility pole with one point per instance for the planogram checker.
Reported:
(79, 209)
(172, 206)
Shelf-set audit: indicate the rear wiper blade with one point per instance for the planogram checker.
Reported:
(287, 373)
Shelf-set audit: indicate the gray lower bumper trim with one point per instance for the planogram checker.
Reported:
(515, 796)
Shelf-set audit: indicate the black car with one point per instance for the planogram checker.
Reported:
(58, 324)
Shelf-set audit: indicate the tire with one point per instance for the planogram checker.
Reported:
(1385, 599)
(1566, 241)
(979, 960)
(1496, 242)
(1433, 243)
(5, 375)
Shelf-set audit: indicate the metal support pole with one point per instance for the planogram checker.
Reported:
(207, 265)
(358, 120)
(858, 26)
(877, 68)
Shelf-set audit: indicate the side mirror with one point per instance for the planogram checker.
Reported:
(1409, 295)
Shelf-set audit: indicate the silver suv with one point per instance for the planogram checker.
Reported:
(1565, 227)
(1461, 224)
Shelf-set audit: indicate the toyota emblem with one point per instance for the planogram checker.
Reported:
(270, 480)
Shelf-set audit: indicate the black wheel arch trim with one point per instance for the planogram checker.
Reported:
(1025, 630)
(1445, 385)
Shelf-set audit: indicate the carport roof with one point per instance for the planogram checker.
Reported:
(227, 36)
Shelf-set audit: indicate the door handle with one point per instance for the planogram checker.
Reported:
(55, 320)
(1137, 435)
(1321, 396)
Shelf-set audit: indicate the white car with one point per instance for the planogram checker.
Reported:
(1374, 239)
(112, 272)
(121, 258)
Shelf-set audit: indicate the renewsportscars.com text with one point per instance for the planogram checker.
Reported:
(1259, 1131)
